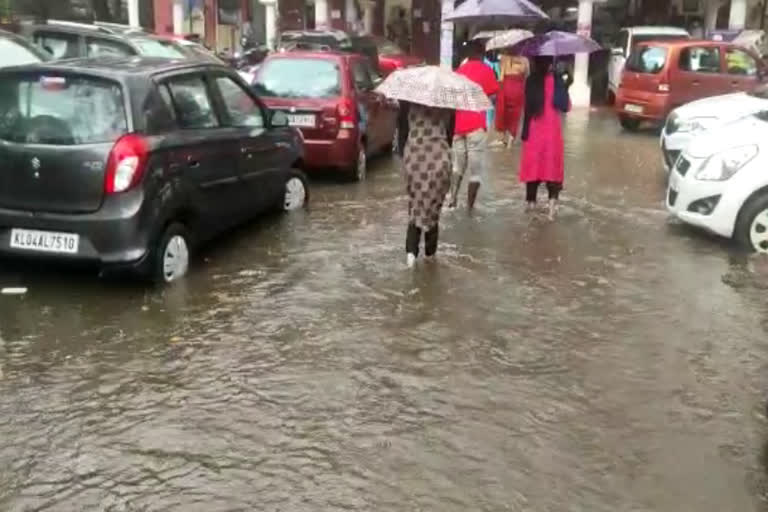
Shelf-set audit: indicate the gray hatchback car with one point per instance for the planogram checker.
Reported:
(132, 162)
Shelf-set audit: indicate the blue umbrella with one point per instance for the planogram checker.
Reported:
(555, 43)
(499, 10)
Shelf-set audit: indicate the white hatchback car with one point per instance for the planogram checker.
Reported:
(719, 182)
(686, 122)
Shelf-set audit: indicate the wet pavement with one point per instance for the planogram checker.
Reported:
(610, 361)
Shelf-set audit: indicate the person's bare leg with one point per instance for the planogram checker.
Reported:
(472, 190)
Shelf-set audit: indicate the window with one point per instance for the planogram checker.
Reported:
(15, 54)
(157, 48)
(96, 47)
(60, 46)
(242, 109)
(361, 76)
(159, 116)
(287, 78)
(60, 110)
(647, 59)
(193, 106)
(739, 62)
(700, 59)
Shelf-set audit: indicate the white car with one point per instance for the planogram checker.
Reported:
(686, 122)
(719, 182)
(630, 37)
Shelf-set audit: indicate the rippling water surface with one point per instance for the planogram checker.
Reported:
(610, 361)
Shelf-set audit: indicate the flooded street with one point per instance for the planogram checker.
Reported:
(610, 361)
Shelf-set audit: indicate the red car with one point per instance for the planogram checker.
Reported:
(330, 97)
(661, 76)
(392, 57)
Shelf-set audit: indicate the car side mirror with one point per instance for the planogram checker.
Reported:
(279, 120)
(617, 52)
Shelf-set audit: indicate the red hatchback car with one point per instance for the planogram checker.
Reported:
(392, 57)
(330, 97)
(660, 76)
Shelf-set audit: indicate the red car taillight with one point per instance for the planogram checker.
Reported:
(126, 164)
(346, 114)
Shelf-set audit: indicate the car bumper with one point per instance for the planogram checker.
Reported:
(683, 192)
(672, 145)
(652, 106)
(331, 154)
(117, 234)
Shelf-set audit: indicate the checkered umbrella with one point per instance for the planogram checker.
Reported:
(434, 86)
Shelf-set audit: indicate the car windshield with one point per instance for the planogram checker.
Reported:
(647, 59)
(155, 48)
(287, 78)
(60, 110)
(14, 54)
(387, 47)
(321, 39)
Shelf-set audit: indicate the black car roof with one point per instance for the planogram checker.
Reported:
(119, 67)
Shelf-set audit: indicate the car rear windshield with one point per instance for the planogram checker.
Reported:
(299, 78)
(647, 59)
(60, 110)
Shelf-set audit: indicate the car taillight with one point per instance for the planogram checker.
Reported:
(126, 164)
(346, 113)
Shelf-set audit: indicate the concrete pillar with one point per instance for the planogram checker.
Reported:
(178, 17)
(368, 7)
(580, 90)
(133, 13)
(270, 22)
(321, 15)
(738, 17)
(446, 35)
(710, 14)
(350, 15)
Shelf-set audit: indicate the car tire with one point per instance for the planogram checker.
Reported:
(295, 191)
(360, 169)
(169, 260)
(752, 224)
(629, 123)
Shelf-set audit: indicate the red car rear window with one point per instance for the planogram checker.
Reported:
(299, 78)
(647, 59)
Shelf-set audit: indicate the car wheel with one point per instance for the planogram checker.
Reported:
(752, 224)
(360, 170)
(296, 192)
(171, 257)
(629, 123)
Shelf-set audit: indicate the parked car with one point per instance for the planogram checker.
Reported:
(686, 122)
(660, 77)
(392, 57)
(627, 40)
(330, 40)
(130, 163)
(18, 51)
(719, 182)
(74, 40)
(331, 98)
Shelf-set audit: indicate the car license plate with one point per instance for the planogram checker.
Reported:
(44, 241)
(303, 121)
(635, 109)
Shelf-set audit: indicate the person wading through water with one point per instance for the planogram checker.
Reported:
(470, 139)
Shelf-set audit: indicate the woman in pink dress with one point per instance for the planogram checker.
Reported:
(542, 161)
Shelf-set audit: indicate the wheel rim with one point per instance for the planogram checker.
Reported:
(295, 194)
(758, 232)
(362, 165)
(175, 259)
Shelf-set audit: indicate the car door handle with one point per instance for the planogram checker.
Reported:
(695, 82)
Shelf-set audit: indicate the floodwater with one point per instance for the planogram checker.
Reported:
(609, 361)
